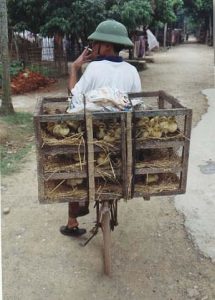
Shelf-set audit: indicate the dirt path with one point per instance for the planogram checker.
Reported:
(153, 257)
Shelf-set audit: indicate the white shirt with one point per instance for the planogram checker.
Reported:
(105, 73)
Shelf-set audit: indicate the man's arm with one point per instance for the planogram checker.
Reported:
(73, 78)
(76, 66)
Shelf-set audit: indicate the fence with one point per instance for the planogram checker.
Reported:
(41, 55)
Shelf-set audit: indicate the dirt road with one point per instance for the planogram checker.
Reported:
(153, 257)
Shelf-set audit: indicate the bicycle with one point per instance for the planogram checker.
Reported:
(106, 219)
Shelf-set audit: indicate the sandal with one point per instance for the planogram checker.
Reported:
(75, 231)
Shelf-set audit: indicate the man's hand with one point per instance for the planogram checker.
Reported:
(84, 57)
(76, 66)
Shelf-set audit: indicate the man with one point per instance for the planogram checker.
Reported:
(106, 70)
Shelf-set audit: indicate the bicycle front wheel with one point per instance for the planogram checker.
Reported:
(105, 224)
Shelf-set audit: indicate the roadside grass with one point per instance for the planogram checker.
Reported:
(18, 141)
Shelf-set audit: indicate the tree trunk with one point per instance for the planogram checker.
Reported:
(214, 30)
(210, 31)
(164, 35)
(6, 106)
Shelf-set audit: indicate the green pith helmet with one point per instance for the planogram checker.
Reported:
(111, 31)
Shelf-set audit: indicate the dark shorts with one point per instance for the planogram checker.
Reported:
(77, 209)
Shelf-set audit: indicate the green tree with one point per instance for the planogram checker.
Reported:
(26, 14)
(131, 13)
(200, 13)
(165, 11)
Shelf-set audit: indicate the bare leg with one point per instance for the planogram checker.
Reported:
(71, 229)
(72, 222)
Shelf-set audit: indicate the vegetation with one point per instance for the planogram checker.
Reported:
(79, 18)
(15, 68)
(16, 142)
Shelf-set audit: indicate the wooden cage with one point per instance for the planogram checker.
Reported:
(102, 156)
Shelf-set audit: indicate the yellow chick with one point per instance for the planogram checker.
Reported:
(151, 178)
(61, 130)
(103, 159)
(164, 125)
(117, 162)
(50, 127)
(74, 181)
(154, 121)
(47, 111)
(143, 133)
(142, 122)
(172, 124)
(110, 136)
(118, 133)
(76, 157)
(157, 133)
(73, 124)
(150, 130)
(101, 132)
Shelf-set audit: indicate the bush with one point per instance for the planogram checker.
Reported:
(15, 68)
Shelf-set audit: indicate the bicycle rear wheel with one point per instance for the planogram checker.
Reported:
(105, 224)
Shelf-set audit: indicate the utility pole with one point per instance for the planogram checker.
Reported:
(6, 106)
